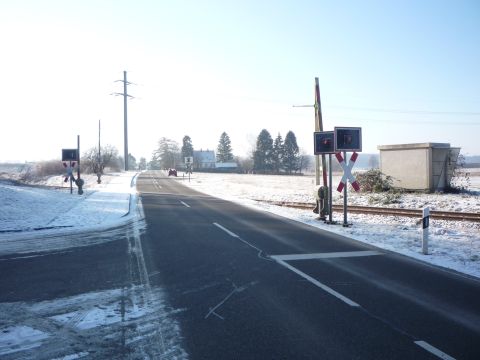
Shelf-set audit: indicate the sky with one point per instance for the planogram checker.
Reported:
(406, 72)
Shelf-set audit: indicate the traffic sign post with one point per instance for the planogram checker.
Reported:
(69, 168)
(425, 226)
(73, 157)
(324, 143)
(347, 176)
(189, 164)
(330, 195)
(342, 139)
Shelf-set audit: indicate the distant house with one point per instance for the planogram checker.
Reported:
(203, 159)
(226, 165)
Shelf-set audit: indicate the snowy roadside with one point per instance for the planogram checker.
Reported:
(453, 244)
(134, 315)
(31, 209)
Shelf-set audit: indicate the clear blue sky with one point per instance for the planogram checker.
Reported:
(405, 71)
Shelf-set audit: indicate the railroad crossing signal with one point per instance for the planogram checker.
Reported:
(348, 139)
(347, 172)
(324, 142)
(69, 154)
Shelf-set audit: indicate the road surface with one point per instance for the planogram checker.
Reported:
(253, 285)
(197, 277)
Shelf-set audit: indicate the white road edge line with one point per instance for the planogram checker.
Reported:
(433, 350)
(226, 230)
(329, 255)
(184, 204)
(316, 283)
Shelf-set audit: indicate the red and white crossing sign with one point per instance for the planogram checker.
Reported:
(347, 172)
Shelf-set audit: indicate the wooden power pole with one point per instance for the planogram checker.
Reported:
(319, 127)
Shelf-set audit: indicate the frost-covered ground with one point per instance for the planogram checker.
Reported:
(33, 208)
(453, 244)
(37, 211)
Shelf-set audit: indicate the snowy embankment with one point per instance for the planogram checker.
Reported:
(453, 244)
(40, 210)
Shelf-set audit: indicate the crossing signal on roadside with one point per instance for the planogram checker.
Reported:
(348, 139)
(324, 142)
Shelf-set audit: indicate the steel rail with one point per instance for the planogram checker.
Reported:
(357, 209)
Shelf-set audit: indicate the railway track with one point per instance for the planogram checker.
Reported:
(356, 209)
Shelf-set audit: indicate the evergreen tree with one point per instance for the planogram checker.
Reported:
(187, 147)
(291, 154)
(224, 149)
(262, 156)
(277, 153)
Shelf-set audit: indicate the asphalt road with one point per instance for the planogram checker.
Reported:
(193, 276)
(251, 285)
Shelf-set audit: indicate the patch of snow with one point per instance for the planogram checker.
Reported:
(116, 314)
(20, 338)
(27, 208)
(73, 356)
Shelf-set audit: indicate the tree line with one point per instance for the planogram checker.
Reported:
(268, 156)
(169, 154)
(277, 156)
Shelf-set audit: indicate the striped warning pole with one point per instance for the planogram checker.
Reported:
(425, 225)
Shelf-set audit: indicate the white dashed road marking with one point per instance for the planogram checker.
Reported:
(226, 230)
(316, 283)
(184, 204)
(325, 255)
(434, 350)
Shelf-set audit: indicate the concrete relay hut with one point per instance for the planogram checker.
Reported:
(422, 167)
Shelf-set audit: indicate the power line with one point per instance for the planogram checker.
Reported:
(399, 111)
(423, 121)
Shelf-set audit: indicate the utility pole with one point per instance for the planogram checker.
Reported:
(319, 127)
(99, 167)
(79, 182)
(125, 124)
(99, 154)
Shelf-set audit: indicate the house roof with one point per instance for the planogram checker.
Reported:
(204, 156)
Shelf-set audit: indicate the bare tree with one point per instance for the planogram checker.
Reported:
(93, 163)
